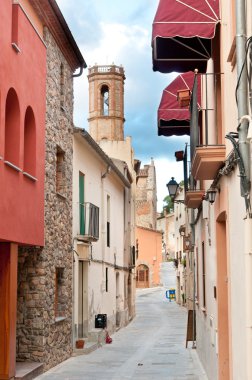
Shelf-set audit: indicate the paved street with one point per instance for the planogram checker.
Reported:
(152, 346)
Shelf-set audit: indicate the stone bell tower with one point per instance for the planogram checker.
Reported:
(106, 103)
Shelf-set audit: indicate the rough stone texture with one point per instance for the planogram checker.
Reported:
(146, 197)
(40, 337)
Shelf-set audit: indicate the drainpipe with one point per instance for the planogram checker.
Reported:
(194, 141)
(242, 100)
(242, 90)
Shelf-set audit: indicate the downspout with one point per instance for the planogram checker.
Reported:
(242, 103)
(194, 141)
(80, 72)
(242, 89)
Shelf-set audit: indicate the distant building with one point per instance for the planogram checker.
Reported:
(146, 197)
(165, 223)
(149, 240)
(149, 248)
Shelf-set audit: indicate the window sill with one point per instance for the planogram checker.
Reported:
(30, 176)
(8, 163)
(15, 47)
(60, 319)
(61, 196)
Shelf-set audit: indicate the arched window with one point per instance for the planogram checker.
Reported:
(12, 128)
(30, 143)
(105, 100)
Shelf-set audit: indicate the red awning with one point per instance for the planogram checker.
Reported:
(173, 120)
(182, 33)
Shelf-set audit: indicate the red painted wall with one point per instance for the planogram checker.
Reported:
(22, 128)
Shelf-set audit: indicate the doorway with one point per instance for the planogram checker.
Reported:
(117, 301)
(83, 300)
(142, 276)
(222, 298)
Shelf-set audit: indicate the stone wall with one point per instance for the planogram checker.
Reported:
(146, 197)
(41, 335)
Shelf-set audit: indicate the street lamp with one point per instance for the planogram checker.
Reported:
(172, 187)
(211, 194)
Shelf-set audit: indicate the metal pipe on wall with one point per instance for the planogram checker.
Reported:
(243, 109)
(242, 89)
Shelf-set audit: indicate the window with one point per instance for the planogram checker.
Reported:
(60, 171)
(203, 276)
(29, 142)
(197, 274)
(106, 280)
(12, 128)
(108, 221)
(60, 300)
(81, 204)
(15, 27)
(105, 100)
(93, 219)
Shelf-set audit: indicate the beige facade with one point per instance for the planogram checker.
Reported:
(103, 281)
(106, 126)
(165, 223)
(219, 231)
(219, 195)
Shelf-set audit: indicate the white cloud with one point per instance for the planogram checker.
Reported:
(165, 169)
(120, 32)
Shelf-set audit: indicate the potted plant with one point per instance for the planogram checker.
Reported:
(80, 343)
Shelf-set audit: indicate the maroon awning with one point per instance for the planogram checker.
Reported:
(182, 33)
(172, 119)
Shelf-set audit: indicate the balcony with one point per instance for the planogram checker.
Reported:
(207, 150)
(207, 160)
(193, 198)
(88, 222)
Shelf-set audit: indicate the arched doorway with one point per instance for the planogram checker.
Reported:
(142, 280)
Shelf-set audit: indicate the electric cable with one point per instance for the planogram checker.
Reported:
(248, 42)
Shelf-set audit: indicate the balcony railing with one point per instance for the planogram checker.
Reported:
(207, 153)
(88, 222)
(105, 69)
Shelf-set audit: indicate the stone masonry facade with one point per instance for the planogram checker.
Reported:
(44, 321)
(146, 197)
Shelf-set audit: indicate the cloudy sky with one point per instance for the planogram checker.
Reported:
(119, 32)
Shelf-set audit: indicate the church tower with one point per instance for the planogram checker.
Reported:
(106, 103)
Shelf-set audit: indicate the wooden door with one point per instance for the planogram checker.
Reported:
(142, 276)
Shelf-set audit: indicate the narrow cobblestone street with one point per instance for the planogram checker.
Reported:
(152, 346)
